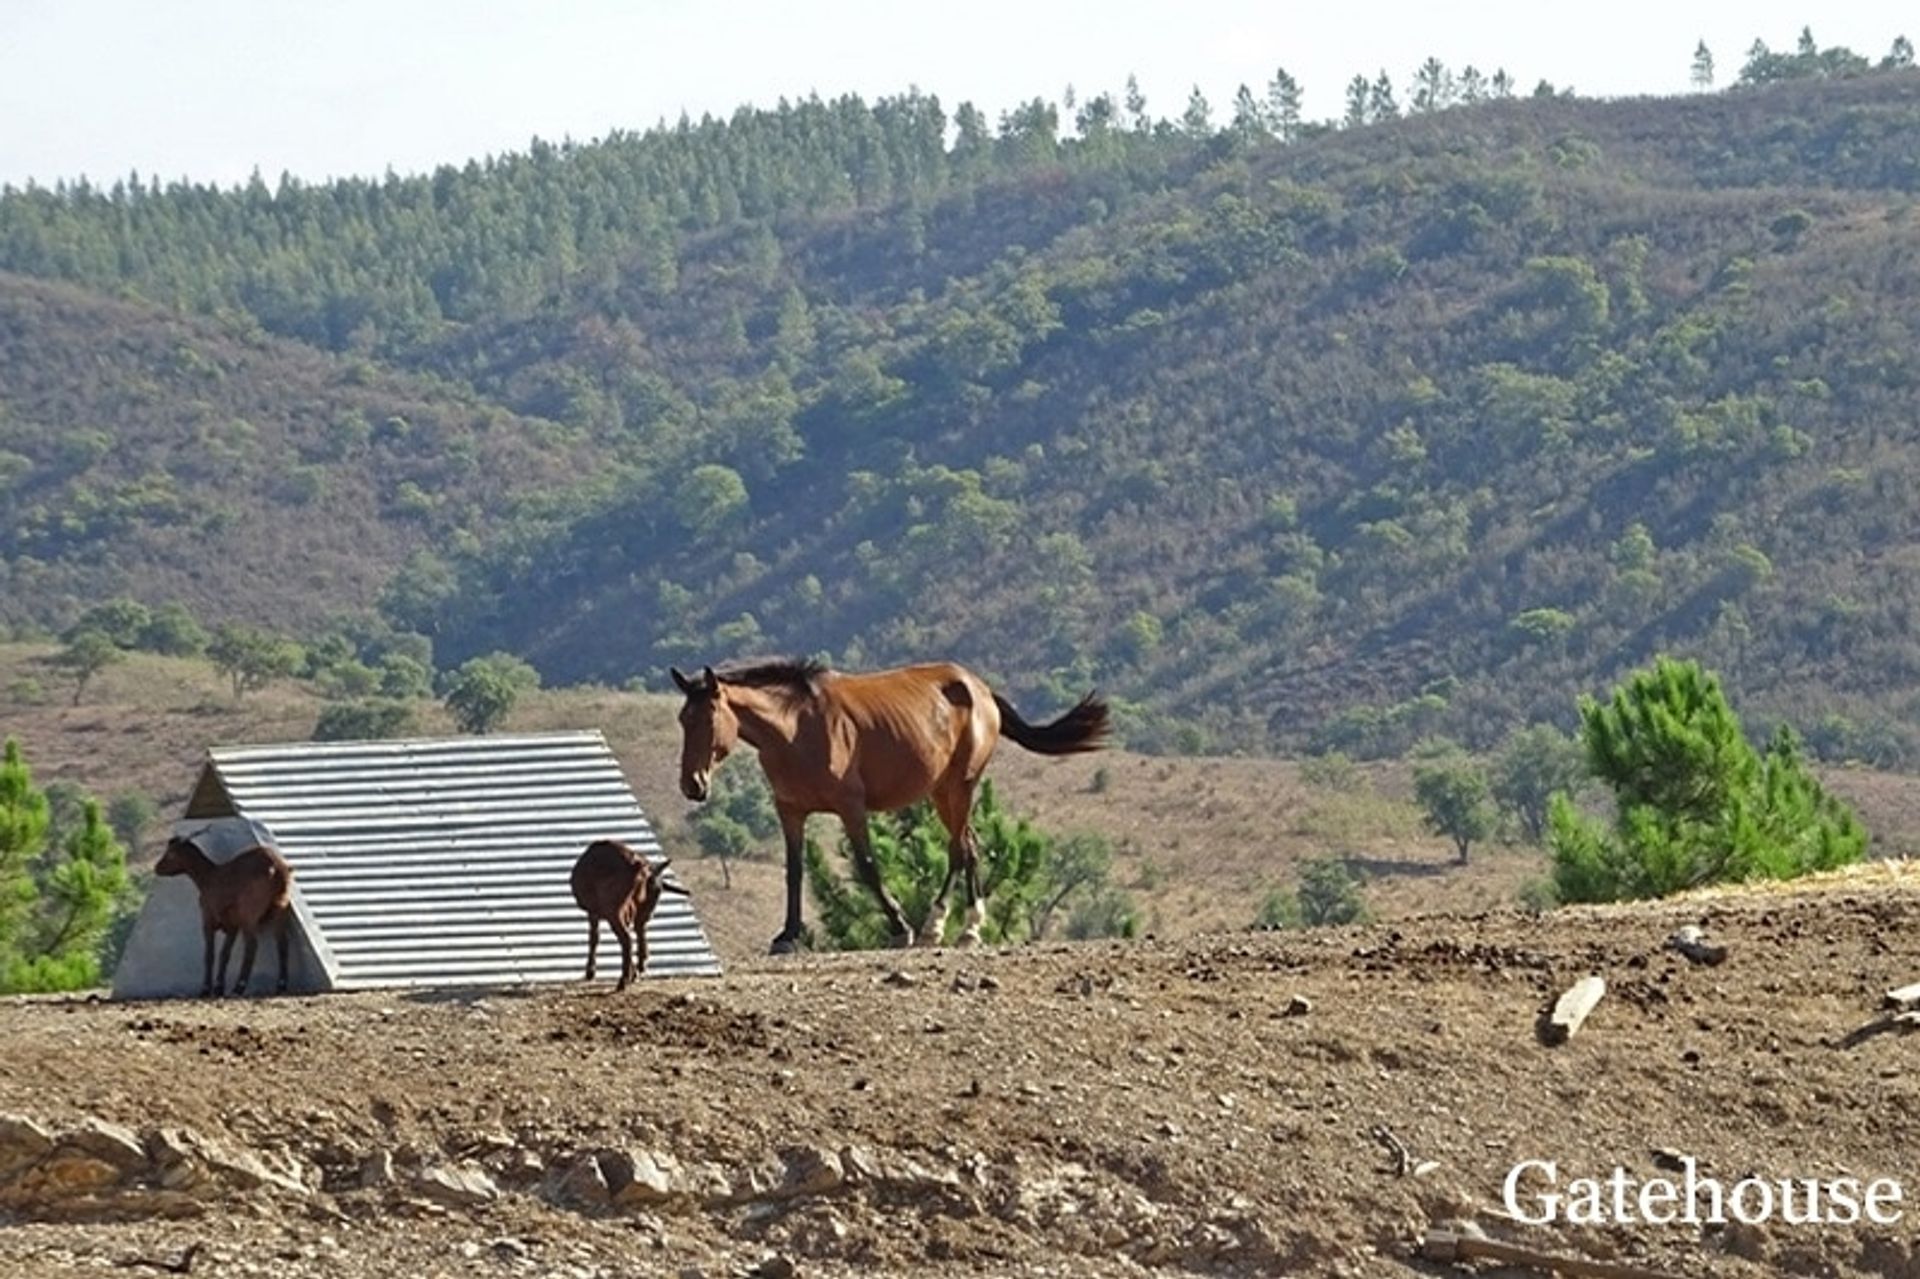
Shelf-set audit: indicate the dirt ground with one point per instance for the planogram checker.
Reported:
(1205, 1105)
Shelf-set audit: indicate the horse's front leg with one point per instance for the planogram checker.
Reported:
(793, 828)
(869, 871)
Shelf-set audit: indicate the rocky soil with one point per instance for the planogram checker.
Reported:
(1230, 1105)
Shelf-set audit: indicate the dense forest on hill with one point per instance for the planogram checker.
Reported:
(1288, 435)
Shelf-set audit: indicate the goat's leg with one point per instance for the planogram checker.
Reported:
(593, 943)
(206, 981)
(247, 953)
(226, 953)
(640, 948)
(621, 931)
(282, 925)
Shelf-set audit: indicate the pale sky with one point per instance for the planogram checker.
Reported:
(212, 89)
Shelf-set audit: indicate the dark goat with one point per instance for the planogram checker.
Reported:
(613, 882)
(246, 894)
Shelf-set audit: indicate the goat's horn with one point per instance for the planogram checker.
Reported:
(676, 889)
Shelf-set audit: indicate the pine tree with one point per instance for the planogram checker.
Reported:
(24, 819)
(1501, 86)
(1900, 56)
(1702, 75)
(55, 907)
(82, 892)
(794, 336)
(1356, 102)
(1380, 100)
(1197, 120)
(1095, 118)
(1136, 104)
(1249, 118)
(1283, 105)
(1024, 873)
(1473, 85)
(1694, 803)
(1432, 86)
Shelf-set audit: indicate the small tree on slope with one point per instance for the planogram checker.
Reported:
(1695, 803)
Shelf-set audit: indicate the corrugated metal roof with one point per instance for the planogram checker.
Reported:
(431, 862)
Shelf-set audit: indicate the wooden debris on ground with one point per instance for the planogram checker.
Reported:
(1571, 1009)
(180, 1266)
(1405, 1164)
(1904, 997)
(1898, 1023)
(1449, 1246)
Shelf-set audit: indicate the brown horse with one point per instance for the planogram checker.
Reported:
(858, 744)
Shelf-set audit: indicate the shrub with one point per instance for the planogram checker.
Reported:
(1329, 894)
(1330, 771)
(362, 721)
(1279, 909)
(483, 691)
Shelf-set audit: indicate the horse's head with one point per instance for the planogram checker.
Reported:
(708, 728)
(178, 859)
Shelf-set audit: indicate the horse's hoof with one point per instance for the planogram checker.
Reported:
(903, 940)
(968, 937)
(929, 937)
(784, 945)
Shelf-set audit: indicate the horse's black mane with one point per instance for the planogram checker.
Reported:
(796, 674)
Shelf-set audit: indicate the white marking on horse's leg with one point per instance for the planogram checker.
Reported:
(976, 916)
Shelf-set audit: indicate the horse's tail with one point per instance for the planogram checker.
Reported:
(1084, 728)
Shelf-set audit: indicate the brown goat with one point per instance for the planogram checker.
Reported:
(244, 895)
(616, 883)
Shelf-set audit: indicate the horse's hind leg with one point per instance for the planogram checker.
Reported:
(869, 871)
(953, 800)
(976, 897)
(593, 943)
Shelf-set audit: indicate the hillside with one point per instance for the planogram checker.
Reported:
(1334, 442)
(1212, 1106)
(179, 460)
